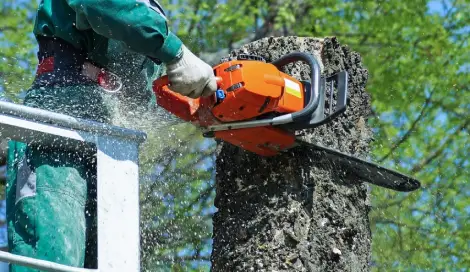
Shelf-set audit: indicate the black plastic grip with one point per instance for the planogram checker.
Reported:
(312, 105)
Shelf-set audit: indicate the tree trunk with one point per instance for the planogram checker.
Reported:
(289, 212)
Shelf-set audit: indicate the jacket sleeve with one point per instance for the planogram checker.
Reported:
(138, 23)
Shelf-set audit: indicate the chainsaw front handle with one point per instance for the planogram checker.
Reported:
(313, 102)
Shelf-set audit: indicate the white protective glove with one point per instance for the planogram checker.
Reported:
(191, 76)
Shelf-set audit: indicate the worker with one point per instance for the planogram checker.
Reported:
(93, 54)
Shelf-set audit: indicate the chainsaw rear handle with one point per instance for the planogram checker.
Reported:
(163, 81)
(180, 105)
(313, 102)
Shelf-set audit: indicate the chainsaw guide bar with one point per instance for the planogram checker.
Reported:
(364, 170)
(258, 108)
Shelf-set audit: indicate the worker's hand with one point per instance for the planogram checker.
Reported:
(191, 76)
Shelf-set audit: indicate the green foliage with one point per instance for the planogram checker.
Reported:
(17, 56)
(418, 63)
(210, 25)
(176, 199)
(417, 56)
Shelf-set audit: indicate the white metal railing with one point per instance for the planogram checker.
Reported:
(117, 180)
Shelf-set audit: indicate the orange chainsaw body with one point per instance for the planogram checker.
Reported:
(250, 89)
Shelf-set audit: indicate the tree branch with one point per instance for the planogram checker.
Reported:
(7, 28)
(418, 167)
(390, 204)
(269, 20)
(449, 109)
(192, 24)
(410, 130)
(202, 196)
(176, 259)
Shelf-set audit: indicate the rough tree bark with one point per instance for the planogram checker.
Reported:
(291, 212)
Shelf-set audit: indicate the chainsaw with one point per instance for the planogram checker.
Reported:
(259, 108)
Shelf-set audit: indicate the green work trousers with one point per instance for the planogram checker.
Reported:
(51, 194)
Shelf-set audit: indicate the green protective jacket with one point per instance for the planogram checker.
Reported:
(89, 24)
(51, 194)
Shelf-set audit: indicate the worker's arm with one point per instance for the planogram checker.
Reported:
(141, 25)
(138, 23)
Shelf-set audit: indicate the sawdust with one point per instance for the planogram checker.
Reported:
(289, 213)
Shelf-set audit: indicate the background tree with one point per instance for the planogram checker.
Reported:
(176, 199)
(419, 73)
(17, 55)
